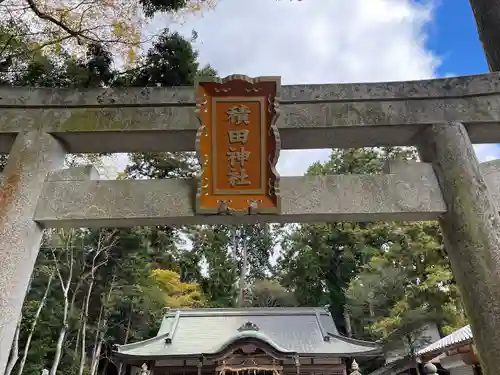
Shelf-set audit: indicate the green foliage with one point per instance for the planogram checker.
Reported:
(320, 260)
(221, 248)
(407, 285)
(151, 7)
(269, 293)
(170, 62)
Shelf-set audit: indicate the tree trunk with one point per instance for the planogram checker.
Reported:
(83, 336)
(77, 341)
(95, 354)
(127, 332)
(412, 350)
(487, 15)
(66, 312)
(14, 352)
(33, 325)
(347, 320)
(244, 265)
(102, 247)
(101, 329)
(60, 340)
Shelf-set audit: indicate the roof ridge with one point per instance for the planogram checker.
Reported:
(248, 311)
(322, 329)
(355, 341)
(170, 335)
(140, 343)
(458, 337)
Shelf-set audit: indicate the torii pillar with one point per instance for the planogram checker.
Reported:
(471, 231)
(33, 155)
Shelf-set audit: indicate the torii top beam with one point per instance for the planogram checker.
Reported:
(312, 116)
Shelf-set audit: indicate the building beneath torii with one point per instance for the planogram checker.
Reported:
(249, 341)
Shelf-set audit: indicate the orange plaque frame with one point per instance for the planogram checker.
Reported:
(238, 145)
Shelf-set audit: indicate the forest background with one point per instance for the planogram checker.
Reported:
(92, 289)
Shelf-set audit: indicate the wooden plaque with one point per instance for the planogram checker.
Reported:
(238, 145)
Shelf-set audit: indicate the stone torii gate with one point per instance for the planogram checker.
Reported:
(441, 117)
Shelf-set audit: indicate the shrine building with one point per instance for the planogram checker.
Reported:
(244, 341)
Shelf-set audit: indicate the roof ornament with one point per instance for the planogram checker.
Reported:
(248, 326)
(430, 368)
(199, 365)
(355, 368)
(144, 369)
(168, 338)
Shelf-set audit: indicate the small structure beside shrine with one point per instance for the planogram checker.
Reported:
(399, 357)
(256, 341)
(454, 353)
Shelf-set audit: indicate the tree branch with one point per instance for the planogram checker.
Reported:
(51, 19)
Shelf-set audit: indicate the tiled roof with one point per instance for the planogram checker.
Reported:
(395, 367)
(194, 332)
(461, 336)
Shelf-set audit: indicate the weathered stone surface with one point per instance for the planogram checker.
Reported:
(471, 230)
(491, 174)
(313, 116)
(33, 155)
(81, 173)
(409, 192)
(410, 195)
(158, 96)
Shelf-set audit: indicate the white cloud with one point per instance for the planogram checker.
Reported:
(313, 41)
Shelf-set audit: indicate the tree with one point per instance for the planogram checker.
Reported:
(269, 293)
(176, 293)
(318, 261)
(407, 285)
(234, 256)
(487, 15)
(58, 25)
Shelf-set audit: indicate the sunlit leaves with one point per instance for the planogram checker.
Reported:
(176, 293)
(115, 24)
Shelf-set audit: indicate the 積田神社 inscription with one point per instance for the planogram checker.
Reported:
(238, 145)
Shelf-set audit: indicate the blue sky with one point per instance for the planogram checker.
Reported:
(453, 37)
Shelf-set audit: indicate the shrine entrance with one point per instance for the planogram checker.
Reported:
(238, 125)
(248, 367)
